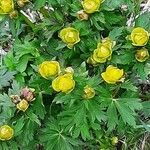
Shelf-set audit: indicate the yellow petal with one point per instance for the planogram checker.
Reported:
(55, 84)
(91, 6)
(106, 78)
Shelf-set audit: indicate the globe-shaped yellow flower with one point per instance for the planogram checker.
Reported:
(6, 132)
(49, 69)
(139, 36)
(142, 55)
(112, 74)
(89, 92)
(23, 105)
(6, 6)
(103, 51)
(64, 83)
(91, 6)
(70, 36)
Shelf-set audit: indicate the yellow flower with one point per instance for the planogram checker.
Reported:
(103, 51)
(112, 74)
(81, 15)
(6, 132)
(91, 6)
(142, 55)
(22, 105)
(64, 83)
(139, 36)
(6, 6)
(49, 69)
(70, 36)
(89, 92)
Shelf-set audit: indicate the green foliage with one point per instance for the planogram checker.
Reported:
(59, 121)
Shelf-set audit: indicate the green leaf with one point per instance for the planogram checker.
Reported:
(5, 77)
(140, 68)
(124, 58)
(132, 103)
(26, 48)
(22, 63)
(29, 132)
(39, 3)
(146, 108)
(9, 60)
(39, 107)
(128, 85)
(116, 32)
(54, 138)
(33, 117)
(112, 116)
(19, 126)
(6, 108)
(112, 4)
(143, 21)
(126, 113)
(15, 90)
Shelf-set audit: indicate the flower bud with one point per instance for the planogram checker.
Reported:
(91, 6)
(28, 94)
(64, 83)
(89, 92)
(6, 132)
(23, 105)
(69, 70)
(112, 74)
(22, 3)
(49, 69)
(91, 61)
(81, 15)
(139, 36)
(142, 55)
(114, 140)
(15, 98)
(6, 6)
(13, 14)
(70, 36)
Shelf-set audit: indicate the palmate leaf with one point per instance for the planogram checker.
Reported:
(128, 85)
(53, 137)
(82, 118)
(28, 132)
(126, 108)
(6, 108)
(5, 77)
(74, 120)
(126, 114)
(112, 116)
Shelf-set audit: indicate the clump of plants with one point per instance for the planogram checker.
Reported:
(76, 75)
